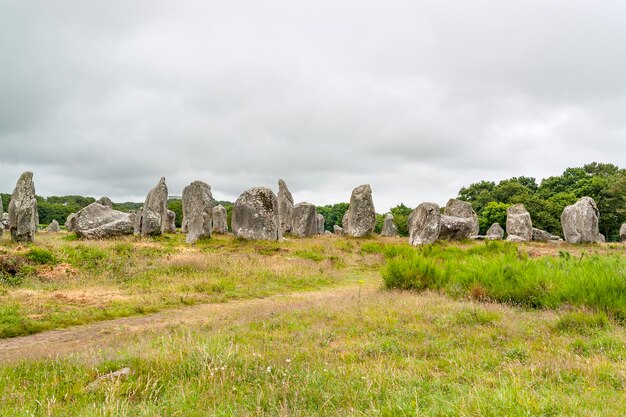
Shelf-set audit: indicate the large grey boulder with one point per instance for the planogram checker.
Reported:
(154, 215)
(361, 214)
(320, 224)
(170, 222)
(53, 227)
(255, 215)
(304, 220)
(580, 222)
(68, 222)
(285, 207)
(459, 221)
(220, 220)
(543, 236)
(100, 222)
(622, 233)
(495, 232)
(424, 224)
(389, 227)
(105, 201)
(23, 215)
(518, 222)
(197, 211)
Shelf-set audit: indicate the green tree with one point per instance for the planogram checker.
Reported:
(494, 212)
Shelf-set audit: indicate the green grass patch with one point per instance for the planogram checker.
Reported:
(41, 256)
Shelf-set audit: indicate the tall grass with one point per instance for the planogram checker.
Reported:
(503, 272)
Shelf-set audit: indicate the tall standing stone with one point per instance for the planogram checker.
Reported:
(285, 207)
(361, 214)
(320, 224)
(255, 215)
(23, 215)
(154, 215)
(580, 222)
(304, 220)
(424, 224)
(170, 222)
(220, 220)
(389, 227)
(197, 211)
(519, 223)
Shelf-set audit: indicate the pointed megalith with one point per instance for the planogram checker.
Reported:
(255, 215)
(220, 220)
(320, 224)
(197, 211)
(23, 215)
(389, 227)
(285, 207)
(361, 213)
(154, 215)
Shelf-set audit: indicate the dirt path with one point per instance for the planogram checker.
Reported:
(117, 332)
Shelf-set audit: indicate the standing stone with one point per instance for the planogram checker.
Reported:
(495, 232)
(220, 220)
(5, 221)
(338, 230)
(137, 221)
(170, 222)
(320, 224)
(519, 223)
(154, 215)
(424, 224)
(23, 215)
(389, 227)
(361, 213)
(459, 221)
(105, 201)
(344, 222)
(580, 222)
(197, 211)
(68, 222)
(53, 227)
(622, 233)
(97, 221)
(285, 207)
(255, 215)
(304, 220)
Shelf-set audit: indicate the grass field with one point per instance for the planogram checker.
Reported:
(341, 344)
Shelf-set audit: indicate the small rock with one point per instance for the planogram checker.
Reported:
(53, 227)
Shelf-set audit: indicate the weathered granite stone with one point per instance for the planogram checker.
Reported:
(53, 227)
(105, 201)
(68, 222)
(220, 220)
(5, 221)
(100, 222)
(285, 207)
(515, 238)
(320, 224)
(170, 223)
(255, 215)
(137, 221)
(459, 221)
(361, 213)
(622, 233)
(543, 236)
(389, 227)
(197, 211)
(23, 215)
(338, 230)
(580, 222)
(154, 215)
(424, 224)
(518, 222)
(495, 232)
(304, 220)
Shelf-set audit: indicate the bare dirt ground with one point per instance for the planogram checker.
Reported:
(114, 333)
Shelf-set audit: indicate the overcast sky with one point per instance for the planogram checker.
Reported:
(416, 98)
